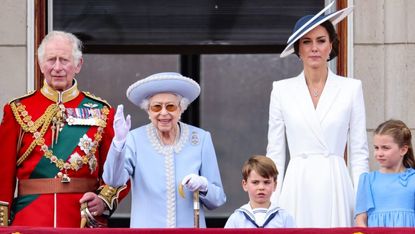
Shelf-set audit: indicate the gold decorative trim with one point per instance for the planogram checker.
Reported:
(25, 120)
(28, 125)
(84, 159)
(110, 195)
(90, 95)
(24, 96)
(57, 96)
(4, 214)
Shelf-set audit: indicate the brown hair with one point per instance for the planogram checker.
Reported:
(401, 135)
(333, 39)
(262, 165)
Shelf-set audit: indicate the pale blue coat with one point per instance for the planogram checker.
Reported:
(156, 171)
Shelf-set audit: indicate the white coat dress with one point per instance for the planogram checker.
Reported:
(317, 188)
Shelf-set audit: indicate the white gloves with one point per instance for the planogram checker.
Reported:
(195, 182)
(121, 127)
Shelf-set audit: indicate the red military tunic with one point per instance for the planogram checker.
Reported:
(79, 152)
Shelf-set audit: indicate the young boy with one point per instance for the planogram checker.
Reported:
(260, 181)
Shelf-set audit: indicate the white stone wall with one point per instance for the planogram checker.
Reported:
(13, 64)
(384, 59)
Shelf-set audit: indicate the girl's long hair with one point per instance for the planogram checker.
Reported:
(401, 135)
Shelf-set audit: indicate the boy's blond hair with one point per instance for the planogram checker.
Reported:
(262, 165)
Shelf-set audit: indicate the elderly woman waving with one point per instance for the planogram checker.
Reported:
(164, 155)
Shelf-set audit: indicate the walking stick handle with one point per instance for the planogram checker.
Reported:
(196, 208)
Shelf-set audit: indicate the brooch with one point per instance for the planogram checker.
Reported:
(194, 138)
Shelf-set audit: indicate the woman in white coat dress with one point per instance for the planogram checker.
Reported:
(317, 113)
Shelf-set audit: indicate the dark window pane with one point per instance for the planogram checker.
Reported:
(181, 22)
(234, 106)
(108, 76)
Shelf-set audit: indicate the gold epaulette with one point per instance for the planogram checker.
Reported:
(4, 214)
(24, 96)
(90, 95)
(110, 195)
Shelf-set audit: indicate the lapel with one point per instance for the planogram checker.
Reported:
(305, 104)
(328, 96)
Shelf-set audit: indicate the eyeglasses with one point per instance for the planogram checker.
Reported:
(159, 107)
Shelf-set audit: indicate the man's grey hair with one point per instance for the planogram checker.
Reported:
(76, 45)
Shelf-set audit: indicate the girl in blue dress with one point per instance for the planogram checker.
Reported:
(386, 198)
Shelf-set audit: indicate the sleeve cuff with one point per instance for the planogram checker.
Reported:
(110, 196)
(118, 145)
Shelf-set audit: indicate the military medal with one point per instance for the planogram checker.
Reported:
(90, 115)
(55, 117)
(58, 122)
(91, 105)
(64, 177)
(61, 116)
(53, 130)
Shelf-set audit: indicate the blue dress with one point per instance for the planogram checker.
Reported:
(155, 171)
(388, 198)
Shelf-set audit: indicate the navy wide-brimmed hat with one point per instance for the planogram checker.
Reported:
(307, 23)
(165, 82)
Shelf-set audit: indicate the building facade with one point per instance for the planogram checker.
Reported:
(382, 55)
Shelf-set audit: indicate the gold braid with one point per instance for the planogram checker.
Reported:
(45, 119)
(26, 123)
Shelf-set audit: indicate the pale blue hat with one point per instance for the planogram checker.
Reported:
(165, 82)
(307, 23)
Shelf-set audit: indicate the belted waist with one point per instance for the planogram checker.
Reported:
(54, 185)
(326, 155)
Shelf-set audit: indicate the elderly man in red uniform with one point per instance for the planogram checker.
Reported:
(54, 142)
